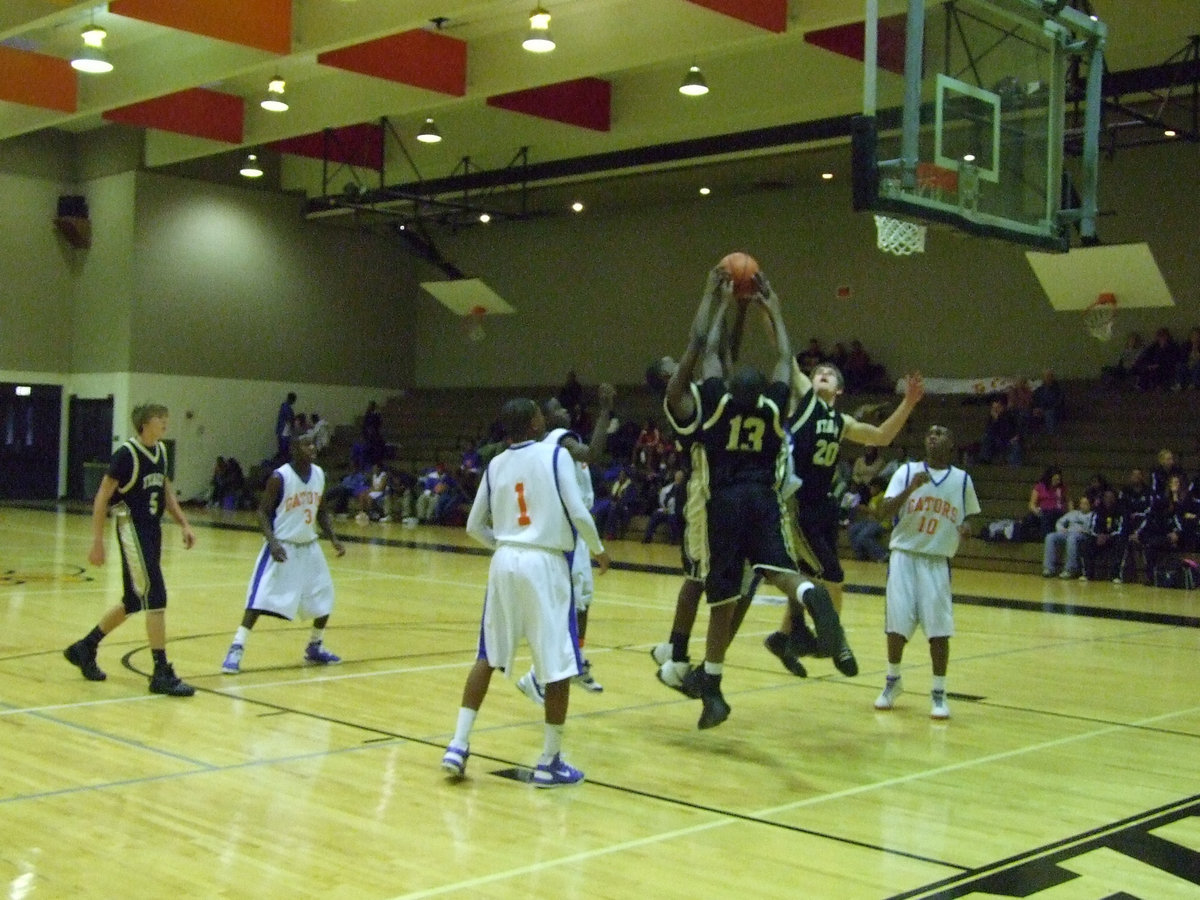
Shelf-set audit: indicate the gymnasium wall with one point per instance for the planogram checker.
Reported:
(605, 294)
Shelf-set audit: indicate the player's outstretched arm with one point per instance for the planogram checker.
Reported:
(883, 434)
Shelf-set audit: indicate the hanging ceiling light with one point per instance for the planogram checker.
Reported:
(250, 168)
(429, 133)
(275, 101)
(539, 40)
(91, 57)
(694, 84)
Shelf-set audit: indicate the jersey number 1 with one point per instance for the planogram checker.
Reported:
(523, 518)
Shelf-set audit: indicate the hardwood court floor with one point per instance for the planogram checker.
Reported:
(1069, 770)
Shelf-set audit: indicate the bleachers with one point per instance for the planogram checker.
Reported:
(1105, 430)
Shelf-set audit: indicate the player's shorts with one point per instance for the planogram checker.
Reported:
(299, 587)
(918, 593)
(529, 595)
(817, 524)
(693, 549)
(583, 580)
(141, 565)
(745, 525)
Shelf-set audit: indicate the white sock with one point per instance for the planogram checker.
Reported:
(462, 730)
(713, 668)
(893, 670)
(318, 634)
(939, 683)
(241, 635)
(552, 745)
(801, 590)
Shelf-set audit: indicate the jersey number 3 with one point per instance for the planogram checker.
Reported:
(746, 434)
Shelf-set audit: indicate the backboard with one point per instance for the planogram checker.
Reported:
(964, 118)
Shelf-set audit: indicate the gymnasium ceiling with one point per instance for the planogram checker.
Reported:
(599, 113)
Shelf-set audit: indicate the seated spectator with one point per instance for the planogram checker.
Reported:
(860, 372)
(811, 356)
(1187, 370)
(1048, 501)
(1070, 532)
(866, 468)
(1104, 552)
(614, 508)
(1161, 474)
(1001, 435)
(470, 470)
(1047, 409)
(348, 490)
(1159, 362)
(1095, 489)
(227, 484)
(1164, 529)
(866, 531)
(1123, 370)
(671, 498)
(432, 483)
(373, 503)
(321, 433)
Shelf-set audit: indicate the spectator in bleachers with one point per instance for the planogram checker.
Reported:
(1020, 403)
(1001, 435)
(374, 448)
(1161, 474)
(320, 432)
(347, 491)
(811, 356)
(614, 508)
(433, 482)
(1105, 550)
(1070, 534)
(866, 531)
(570, 395)
(1187, 370)
(860, 372)
(283, 428)
(1048, 500)
(1047, 408)
(228, 481)
(671, 498)
(1123, 369)
(1095, 489)
(1163, 530)
(470, 469)
(867, 467)
(1156, 367)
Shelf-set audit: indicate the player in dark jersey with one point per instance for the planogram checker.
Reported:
(817, 431)
(740, 427)
(137, 490)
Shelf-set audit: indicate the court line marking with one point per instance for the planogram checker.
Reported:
(586, 855)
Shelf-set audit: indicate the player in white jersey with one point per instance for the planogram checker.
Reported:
(291, 577)
(528, 509)
(558, 419)
(931, 502)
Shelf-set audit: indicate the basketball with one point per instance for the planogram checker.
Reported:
(742, 267)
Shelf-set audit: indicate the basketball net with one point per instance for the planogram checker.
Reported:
(1098, 318)
(898, 237)
(474, 324)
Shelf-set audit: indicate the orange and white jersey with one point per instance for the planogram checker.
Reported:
(296, 514)
(929, 521)
(529, 496)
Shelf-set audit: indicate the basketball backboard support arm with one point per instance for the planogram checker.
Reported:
(991, 100)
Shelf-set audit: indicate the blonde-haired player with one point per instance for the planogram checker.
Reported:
(931, 501)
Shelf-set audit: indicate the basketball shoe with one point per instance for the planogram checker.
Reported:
(317, 654)
(585, 680)
(891, 690)
(528, 685)
(233, 659)
(454, 760)
(555, 773)
(81, 655)
(165, 681)
(939, 709)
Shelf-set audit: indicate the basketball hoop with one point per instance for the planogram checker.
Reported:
(898, 237)
(1098, 318)
(474, 323)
